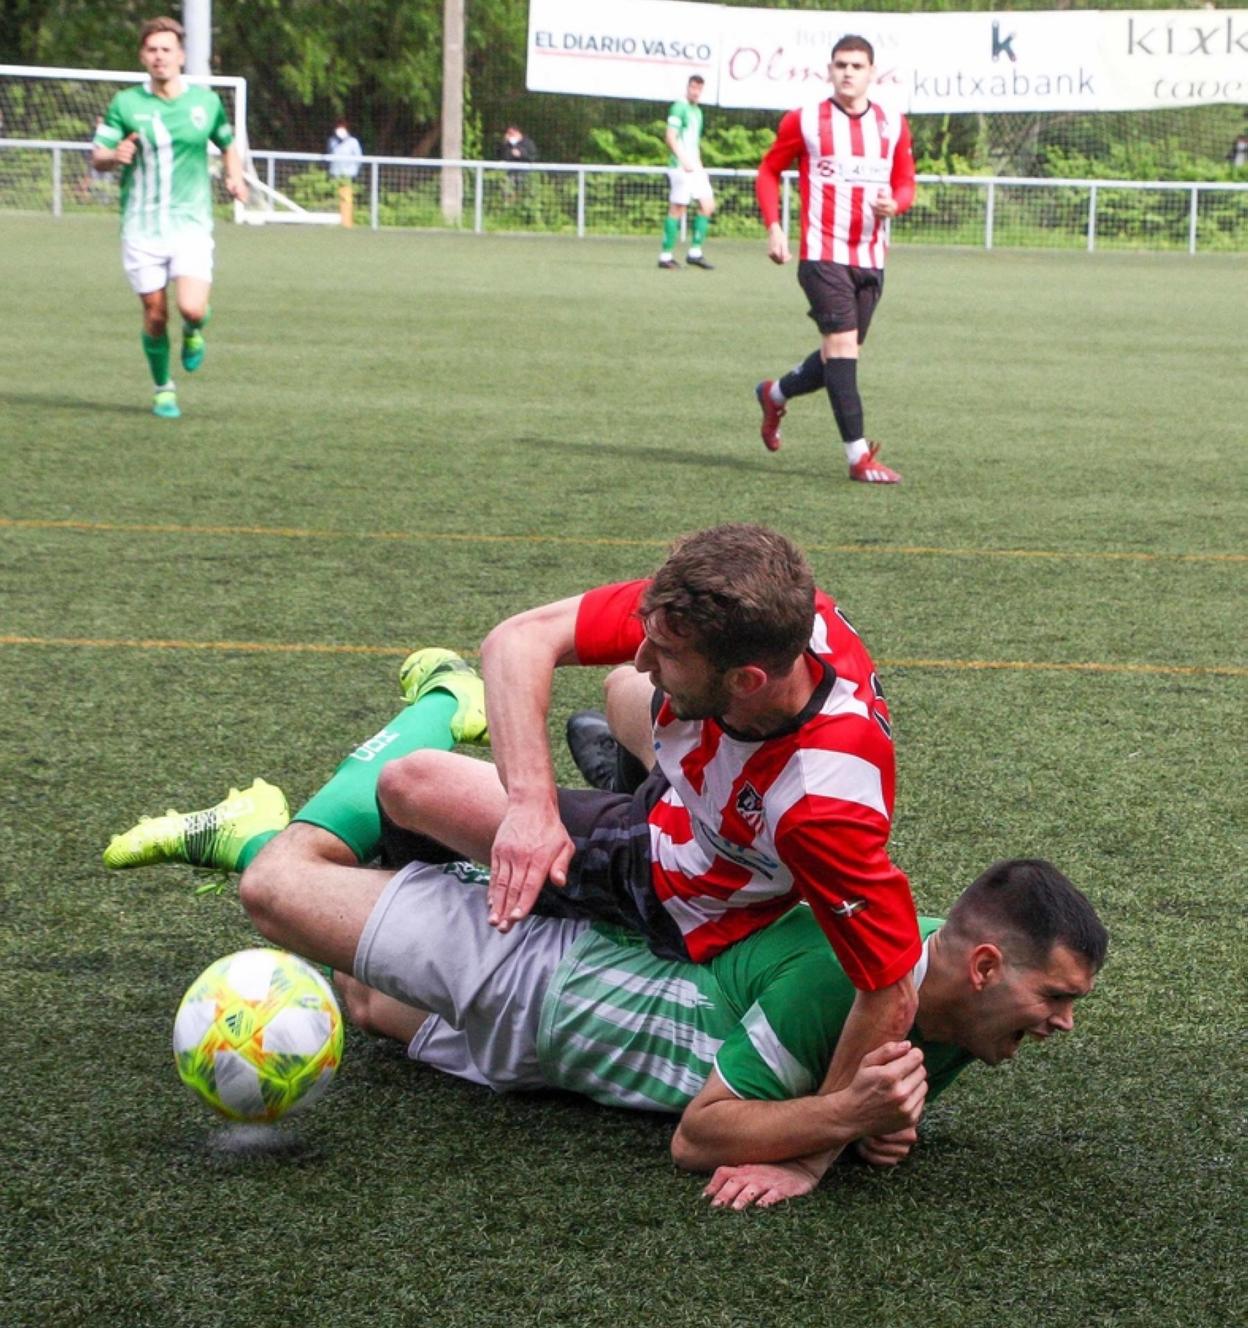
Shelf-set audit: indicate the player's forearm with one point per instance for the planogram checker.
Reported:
(232, 163)
(875, 1017)
(518, 662)
(103, 159)
(734, 1132)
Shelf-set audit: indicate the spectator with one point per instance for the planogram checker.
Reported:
(1238, 154)
(344, 153)
(516, 146)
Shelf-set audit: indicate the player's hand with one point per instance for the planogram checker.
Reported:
(124, 152)
(888, 1090)
(886, 1150)
(236, 187)
(777, 244)
(530, 848)
(760, 1184)
(885, 204)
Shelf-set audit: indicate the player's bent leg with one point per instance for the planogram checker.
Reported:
(193, 295)
(303, 901)
(457, 800)
(629, 697)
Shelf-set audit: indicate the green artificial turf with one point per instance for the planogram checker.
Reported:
(398, 439)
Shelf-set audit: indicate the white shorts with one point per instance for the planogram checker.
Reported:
(153, 264)
(428, 943)
(689, 184)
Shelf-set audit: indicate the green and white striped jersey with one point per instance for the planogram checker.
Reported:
(686, 119)
(166, 189)
(627, 1029)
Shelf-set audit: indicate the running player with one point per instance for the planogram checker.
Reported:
(857, 173)
(737, 1045)
(158, 135)
(688, 179)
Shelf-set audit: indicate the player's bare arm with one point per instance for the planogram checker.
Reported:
(518, 661)
(235, 183)
(886, 1094)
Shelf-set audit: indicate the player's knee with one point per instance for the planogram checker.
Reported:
(708, 207)
(260, 892)
(403, 783)
(155, 321)
(193, 311)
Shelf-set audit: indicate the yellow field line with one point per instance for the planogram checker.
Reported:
(584, 541)
(318, 648)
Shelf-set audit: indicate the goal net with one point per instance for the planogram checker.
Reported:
(48, 118)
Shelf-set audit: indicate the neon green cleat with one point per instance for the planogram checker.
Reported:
(165, 404)
(211, 838)
(434, 669)
(193, 348)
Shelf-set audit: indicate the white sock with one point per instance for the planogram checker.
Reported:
(777, 397)
(855, 451)
(665, 256)
(694, 253)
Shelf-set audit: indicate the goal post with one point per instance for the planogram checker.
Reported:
(61, 108)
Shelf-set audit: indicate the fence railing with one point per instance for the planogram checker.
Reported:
(989, 212)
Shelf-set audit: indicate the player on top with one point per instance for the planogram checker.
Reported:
(688, 178)
(857, 172)
(158, 134)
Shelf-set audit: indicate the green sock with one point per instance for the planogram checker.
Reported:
(347, 805)
(701, 225)
(671, 232)
(190, 325)
(252, 847)
(157, 351)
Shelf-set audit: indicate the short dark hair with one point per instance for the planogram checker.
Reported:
(850, 42)
(164, 24)
(1027, 907)
(696, 78)
(743, 594)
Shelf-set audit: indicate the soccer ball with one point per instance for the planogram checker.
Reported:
(258, 1034)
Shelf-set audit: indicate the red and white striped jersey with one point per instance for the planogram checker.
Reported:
(748, 826)
(844, 162)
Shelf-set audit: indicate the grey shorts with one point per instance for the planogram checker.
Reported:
(427, 943)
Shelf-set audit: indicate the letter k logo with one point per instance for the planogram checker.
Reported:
(1002, 47)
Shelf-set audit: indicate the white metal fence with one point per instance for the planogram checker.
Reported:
(991, 212)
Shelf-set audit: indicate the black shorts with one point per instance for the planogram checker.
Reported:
(842, 298)
(609, 876)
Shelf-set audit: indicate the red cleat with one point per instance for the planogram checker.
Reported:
(769, 430)
(871, 471)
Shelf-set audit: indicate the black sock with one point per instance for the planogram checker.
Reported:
(806, 378)
(630, 774)
(840, 377)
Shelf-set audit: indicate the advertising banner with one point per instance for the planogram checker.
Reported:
(774, 59)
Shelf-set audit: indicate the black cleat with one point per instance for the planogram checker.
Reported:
(593, 748)
(700, 262)
(670, 264)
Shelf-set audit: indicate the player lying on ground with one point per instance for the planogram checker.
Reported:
(736, 1045)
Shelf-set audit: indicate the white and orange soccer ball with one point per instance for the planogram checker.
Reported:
(258, 1034)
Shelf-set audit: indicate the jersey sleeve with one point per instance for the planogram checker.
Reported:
(608, 628)
(902, 182)
(112, 129)
(780, 156)
(222, 131)
(838, 853)
(675, 116)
